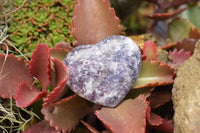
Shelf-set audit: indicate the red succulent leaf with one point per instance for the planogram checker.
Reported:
(176, 3)
(101, 21)
(169, 46)
(41, 127)
(40, 65)
(163, 4)
(127, 117)
(27, 95)
(194, 33)
(65, 114)
(154, 73)
(176, 58)
(150, 51)
(153, 119)
(58, 53)
(159, 98)
(60, 81)
(166, 126)
(163, 16)
(92, 129)
(12, 72)
(187, 44)
(64, 45)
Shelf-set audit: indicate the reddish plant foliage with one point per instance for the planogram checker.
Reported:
(9, 79)
(93, 21)
(65, 114)
(96, 10)
(178, 57)
(128, 117)
(150, 51)
(163, 16)
(41, 127)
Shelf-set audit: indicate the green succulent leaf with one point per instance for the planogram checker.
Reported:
(192, 14)
(179, 29)
(32, 3)
(66, 2)
(45, 21)
(20, 15)
(13, 28)
(154, 73)
(46, 1)
(18, 2)
(42, 15)
(54, 25)
(54, 9)
(19, 40)
(56, 38)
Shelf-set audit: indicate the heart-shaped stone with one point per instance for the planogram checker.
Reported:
(105, 72)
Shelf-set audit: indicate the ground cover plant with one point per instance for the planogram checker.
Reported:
(34, 81)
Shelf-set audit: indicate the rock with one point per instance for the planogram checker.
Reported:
(105, 72)
(186, 95)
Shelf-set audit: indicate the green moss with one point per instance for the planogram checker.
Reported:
(41, 21)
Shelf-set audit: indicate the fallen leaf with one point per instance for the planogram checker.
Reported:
(139, 40)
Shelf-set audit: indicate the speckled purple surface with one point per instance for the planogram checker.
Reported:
(105, 72)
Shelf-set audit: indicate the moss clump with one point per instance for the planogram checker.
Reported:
(41, 21)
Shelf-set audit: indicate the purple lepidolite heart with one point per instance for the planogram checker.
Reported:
(105, 72)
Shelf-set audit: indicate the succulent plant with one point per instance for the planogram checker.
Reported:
(52, 74)
(46, 76)
(41, 21)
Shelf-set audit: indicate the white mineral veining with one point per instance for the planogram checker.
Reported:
(105, 72)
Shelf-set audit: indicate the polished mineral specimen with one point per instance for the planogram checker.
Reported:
(104, 72)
